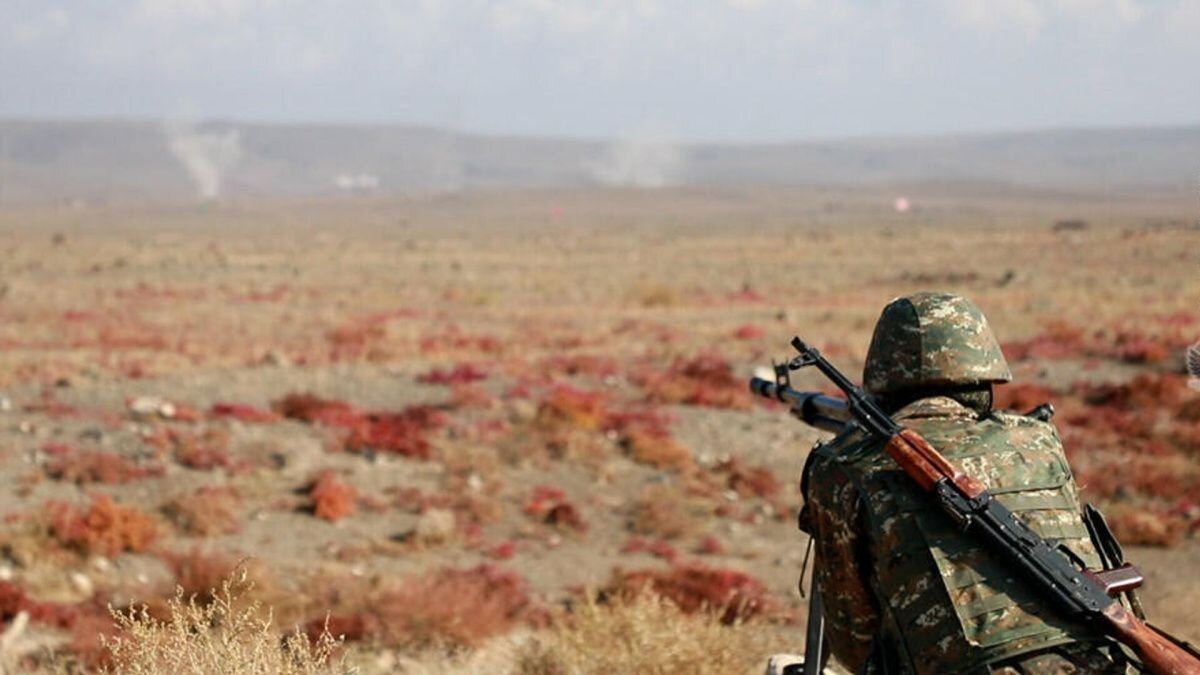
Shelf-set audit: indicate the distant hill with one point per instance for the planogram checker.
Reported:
(43, 160)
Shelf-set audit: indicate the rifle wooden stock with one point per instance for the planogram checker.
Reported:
(924, 464)
(1159, 654)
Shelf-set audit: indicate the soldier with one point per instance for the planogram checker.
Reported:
(905, 591)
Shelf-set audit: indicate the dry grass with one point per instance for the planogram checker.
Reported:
(647, 635)
(222, 636)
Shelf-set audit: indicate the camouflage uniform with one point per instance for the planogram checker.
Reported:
(901, 583)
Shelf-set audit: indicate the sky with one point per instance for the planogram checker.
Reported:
(696, 70)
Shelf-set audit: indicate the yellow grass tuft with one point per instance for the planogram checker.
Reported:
(226, 636)
(647, 635)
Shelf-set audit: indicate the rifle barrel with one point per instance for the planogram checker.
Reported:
(813, 408)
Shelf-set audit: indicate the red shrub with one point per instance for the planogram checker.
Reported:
(314, 409)
(52, 407)
(402, 433)
(566, 515)
(753, 481)
(1059, 341)
(105, 527)
(202, 451)
(207, 512)
(201, 573)
(747, 295)
(693, 588)
(579, 364)
(452, 607)
(86, 467)
(657, 449)
(574, 408)
(705, 380)
(348, 627)
(84, 622)
(749, 332)
(355, 338)
(662, 512)
(550, 505)
(1020, 397)
(1147, 528)
(1137, 349)
(332, 499)
(505, 550)
(1145, 392)
(710, 545)
(470, 396)
(14, 600)
(657, 548)
(463, 373)
(468, 507)
(243, 413)
(454, 340)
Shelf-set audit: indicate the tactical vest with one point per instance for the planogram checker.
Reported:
(948, 603)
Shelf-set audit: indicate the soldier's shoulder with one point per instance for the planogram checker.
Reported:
(1008, 418)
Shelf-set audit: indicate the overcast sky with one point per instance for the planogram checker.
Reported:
(685, 69)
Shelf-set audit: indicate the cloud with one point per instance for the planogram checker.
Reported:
(47, 24)
(1027, 17)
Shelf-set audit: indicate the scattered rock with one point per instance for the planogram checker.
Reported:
(274, 357)
(1071, 225)
(435, 526)
(83, 584)
(151, 406)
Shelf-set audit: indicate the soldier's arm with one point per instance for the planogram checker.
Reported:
(834, 512)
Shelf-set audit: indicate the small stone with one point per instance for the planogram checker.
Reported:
(523, 411)
(6, 404)
(83, 583)
(435, 526)
(475, 482)
(274, 357)
(151, 406)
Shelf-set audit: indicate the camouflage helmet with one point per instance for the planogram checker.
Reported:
(932, 339)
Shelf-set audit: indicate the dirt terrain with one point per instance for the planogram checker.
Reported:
(371, 402)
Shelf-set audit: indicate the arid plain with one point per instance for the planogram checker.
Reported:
(436, 421)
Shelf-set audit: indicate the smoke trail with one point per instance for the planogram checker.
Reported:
(206, 155)
(640, 161)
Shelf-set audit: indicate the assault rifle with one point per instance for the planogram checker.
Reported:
(1056, 572)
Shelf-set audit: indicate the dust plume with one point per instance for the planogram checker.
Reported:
(640, 161)
(206, 155)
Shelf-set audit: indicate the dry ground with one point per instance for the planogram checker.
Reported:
(608, 334)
